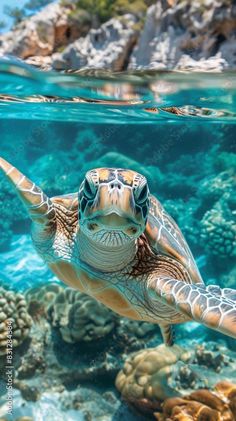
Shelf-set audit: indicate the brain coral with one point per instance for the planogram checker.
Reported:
(144, 379)
(218, 230)
(80, 317)
(14, 316)
(39, 299)
(77, 316)
(88, 320)
(136, 329)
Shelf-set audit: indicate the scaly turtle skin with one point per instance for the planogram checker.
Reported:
(115, 242)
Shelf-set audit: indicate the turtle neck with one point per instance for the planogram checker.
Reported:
(104, 258)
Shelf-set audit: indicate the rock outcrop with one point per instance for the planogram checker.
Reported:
(184, 34)
(106, 47)
(177, 34)
(44, 33)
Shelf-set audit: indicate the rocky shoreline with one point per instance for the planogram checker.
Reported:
(170, 35)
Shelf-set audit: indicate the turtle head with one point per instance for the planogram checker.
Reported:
(113, 205)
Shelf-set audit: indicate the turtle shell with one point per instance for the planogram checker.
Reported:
(166, 238)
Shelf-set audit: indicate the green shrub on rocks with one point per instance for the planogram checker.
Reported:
(103, 10)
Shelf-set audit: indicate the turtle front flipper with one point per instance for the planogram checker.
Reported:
(198, 302)
(39, 206)
(228, 293)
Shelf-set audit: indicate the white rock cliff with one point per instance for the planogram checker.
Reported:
(177, 34)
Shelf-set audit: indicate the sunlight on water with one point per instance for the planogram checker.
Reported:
(128, 97)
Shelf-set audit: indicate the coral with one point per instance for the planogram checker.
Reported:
(216, 405)
(88, 320)
(94, 404)
(133, 335)
(228, 280)
(55, 174)
(214, 187)
(136, 329)
(214, 359)
(225, 161)
(40, 298)
(144, 380)
(78, 317)
(13, 216)
(19, 419)
(62, 171)
(14, 318)
(150, 376)
(185, 216)
(33, 361)
(218, 230)
(178, 185)
(227, 390)
(29, 393)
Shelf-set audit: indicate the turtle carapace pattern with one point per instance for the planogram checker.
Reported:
(114, 241)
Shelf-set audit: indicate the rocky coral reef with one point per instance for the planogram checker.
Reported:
(218, 230)
(10, 206)
(89, 349)
(39, 299)
(92, 347)
(156, 375)
(15, 321)
(78, 317)
(144, 380)
(218, 404)
(177, 34)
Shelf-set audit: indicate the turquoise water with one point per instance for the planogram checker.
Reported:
(177, 129)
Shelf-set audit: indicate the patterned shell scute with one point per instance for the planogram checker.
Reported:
(165, 237)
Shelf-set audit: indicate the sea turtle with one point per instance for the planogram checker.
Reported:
(114, 241)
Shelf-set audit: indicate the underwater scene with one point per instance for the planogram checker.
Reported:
(91, 348)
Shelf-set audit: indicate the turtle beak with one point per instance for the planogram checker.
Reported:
(115, 221)
(116, 200)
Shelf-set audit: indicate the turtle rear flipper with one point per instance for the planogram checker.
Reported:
(198, 302)
(39, 206)
(168, 334)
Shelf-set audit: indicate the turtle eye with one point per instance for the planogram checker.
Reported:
(89, 189)
(142, 195)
